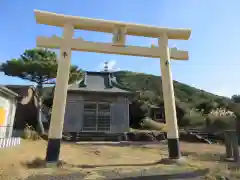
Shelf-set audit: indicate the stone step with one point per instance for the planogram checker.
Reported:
(85, 136)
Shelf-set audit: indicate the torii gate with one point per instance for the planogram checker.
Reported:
(120, 30)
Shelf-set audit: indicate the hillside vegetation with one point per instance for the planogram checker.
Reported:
(152, 86)
(199, 108)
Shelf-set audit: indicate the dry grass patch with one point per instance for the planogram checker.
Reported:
(28, 159)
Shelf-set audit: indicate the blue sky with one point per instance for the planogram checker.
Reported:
(213, 47)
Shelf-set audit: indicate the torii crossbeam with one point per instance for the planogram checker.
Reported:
(120, 30)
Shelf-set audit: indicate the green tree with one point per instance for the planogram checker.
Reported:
(206, 106)
(38, 66)
(236, 98)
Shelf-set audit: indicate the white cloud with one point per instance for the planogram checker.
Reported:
(111, 66)
(193, 85)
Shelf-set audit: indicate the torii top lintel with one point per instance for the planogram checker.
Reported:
(100, 25)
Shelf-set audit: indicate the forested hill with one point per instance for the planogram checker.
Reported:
(152, 87)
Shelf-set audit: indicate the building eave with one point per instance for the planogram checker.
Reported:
(8, 91)
(94, 91)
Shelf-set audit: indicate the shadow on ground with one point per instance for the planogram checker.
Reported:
(117, 144)
(142, 174)
(194, 175)
(67, 176)
(40, 163)
(108, 175)
(217, 157)
(162, 161)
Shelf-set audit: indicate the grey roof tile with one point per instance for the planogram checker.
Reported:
(98, 82)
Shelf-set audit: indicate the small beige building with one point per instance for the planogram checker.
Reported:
(8, 103)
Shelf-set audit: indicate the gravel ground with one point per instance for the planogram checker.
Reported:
(150, 174)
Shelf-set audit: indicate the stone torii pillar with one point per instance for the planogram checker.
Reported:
(169, 99)
(119, 30)
(60, 96)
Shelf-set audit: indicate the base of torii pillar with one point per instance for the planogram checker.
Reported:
(173, 149)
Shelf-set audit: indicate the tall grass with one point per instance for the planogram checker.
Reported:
(150, 124)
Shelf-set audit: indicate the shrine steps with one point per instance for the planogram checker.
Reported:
(93, 136)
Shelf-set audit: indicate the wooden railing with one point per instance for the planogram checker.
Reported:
(5, 137)
(5, 131)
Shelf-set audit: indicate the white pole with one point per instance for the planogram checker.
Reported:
(60, 96)
(169, 99)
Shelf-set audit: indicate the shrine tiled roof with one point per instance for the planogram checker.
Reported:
(99, 82)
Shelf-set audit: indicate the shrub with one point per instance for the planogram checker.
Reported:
(181, 110)
(221, 112)
(193, 119)
(30, 133)
(220, 123)
(137, 113)
(221, 119)
(152, 125)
